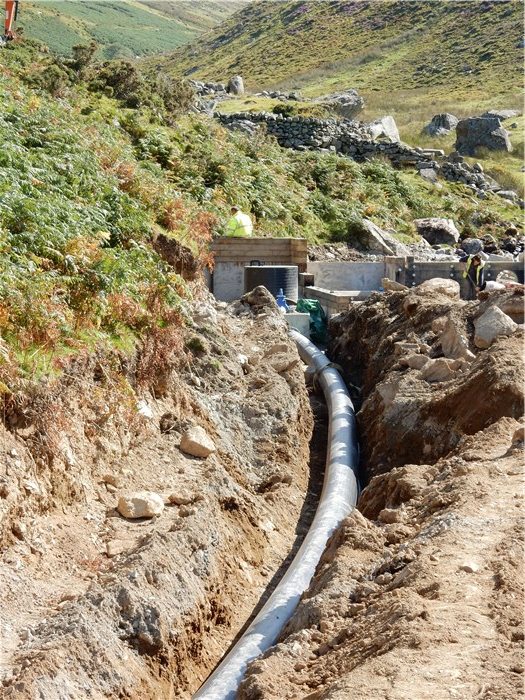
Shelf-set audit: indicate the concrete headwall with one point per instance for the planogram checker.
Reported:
(231, 255)
(335, 283)
(343, 276)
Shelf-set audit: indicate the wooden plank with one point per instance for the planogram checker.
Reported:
(265, 261)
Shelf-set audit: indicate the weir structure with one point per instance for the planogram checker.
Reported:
(335, 284)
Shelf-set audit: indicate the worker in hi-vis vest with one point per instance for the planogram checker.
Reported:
(240, 224)
(474, 272)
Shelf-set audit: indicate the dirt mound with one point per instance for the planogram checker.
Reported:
(96, 605)
(375, 344)
(420, 592)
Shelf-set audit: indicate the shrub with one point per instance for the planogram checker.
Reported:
(287, 110)
(176, 95)
(121, 80)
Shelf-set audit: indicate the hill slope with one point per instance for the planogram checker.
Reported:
(443, 49)
(121, 27)
(88, 183)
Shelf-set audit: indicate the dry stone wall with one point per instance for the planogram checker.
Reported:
(355, 139)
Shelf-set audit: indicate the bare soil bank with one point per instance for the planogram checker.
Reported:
(95, 605)
(421, 587)
(420, 592)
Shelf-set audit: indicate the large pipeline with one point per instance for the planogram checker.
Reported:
(338, 498)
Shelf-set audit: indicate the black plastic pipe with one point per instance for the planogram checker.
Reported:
(338, 498)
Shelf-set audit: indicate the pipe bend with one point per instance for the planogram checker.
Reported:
(338, 498)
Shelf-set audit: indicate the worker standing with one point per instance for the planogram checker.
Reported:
(474, 267)
(240, 224)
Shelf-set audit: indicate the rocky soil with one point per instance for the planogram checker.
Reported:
(96, 605)
(419, 593)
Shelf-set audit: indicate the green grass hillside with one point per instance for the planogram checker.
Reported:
(87, 183)
(401, 54)
(122, 28)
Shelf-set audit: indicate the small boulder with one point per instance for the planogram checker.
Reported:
(453, 343)
(441, 124)
(347, 104)
(437, 230)
(414, 361)
(490, 325)
(385, 127)
(438, 285)
(439, 370)
(501, 114)
(392, 286)
(196, 442)
(142, 504)
(471, 246)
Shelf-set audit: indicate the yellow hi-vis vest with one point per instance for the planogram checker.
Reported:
(478, 269)
(239, 225)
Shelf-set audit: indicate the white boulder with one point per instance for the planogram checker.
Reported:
(490, 325)
(438, 285)
(142, 504)
(197, 442)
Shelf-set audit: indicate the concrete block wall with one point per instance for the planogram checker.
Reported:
(231, 255)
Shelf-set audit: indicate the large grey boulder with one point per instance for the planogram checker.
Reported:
(437, 230)
(347, 104)
(471, 246)
(374, 238)
(481, 131)
(441, 124)
(385, 127)
(235, 85)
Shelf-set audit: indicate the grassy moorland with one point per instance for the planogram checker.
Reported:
(400, 56)
(121, 28)
(95, 162)
(411, 60)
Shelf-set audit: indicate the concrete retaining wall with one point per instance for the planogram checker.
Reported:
(343, 276)
(231, 255)
(335, 284)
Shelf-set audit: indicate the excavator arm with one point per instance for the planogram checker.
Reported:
(11, 13)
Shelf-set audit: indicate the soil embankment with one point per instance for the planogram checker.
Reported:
(422, 585)
(421, 590)
(97, 605)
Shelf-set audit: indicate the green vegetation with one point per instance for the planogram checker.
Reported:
(96, 161)
(122, 28)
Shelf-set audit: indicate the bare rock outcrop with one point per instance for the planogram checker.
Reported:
(481, 131)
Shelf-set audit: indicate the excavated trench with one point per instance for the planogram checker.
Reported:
(113, 607)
